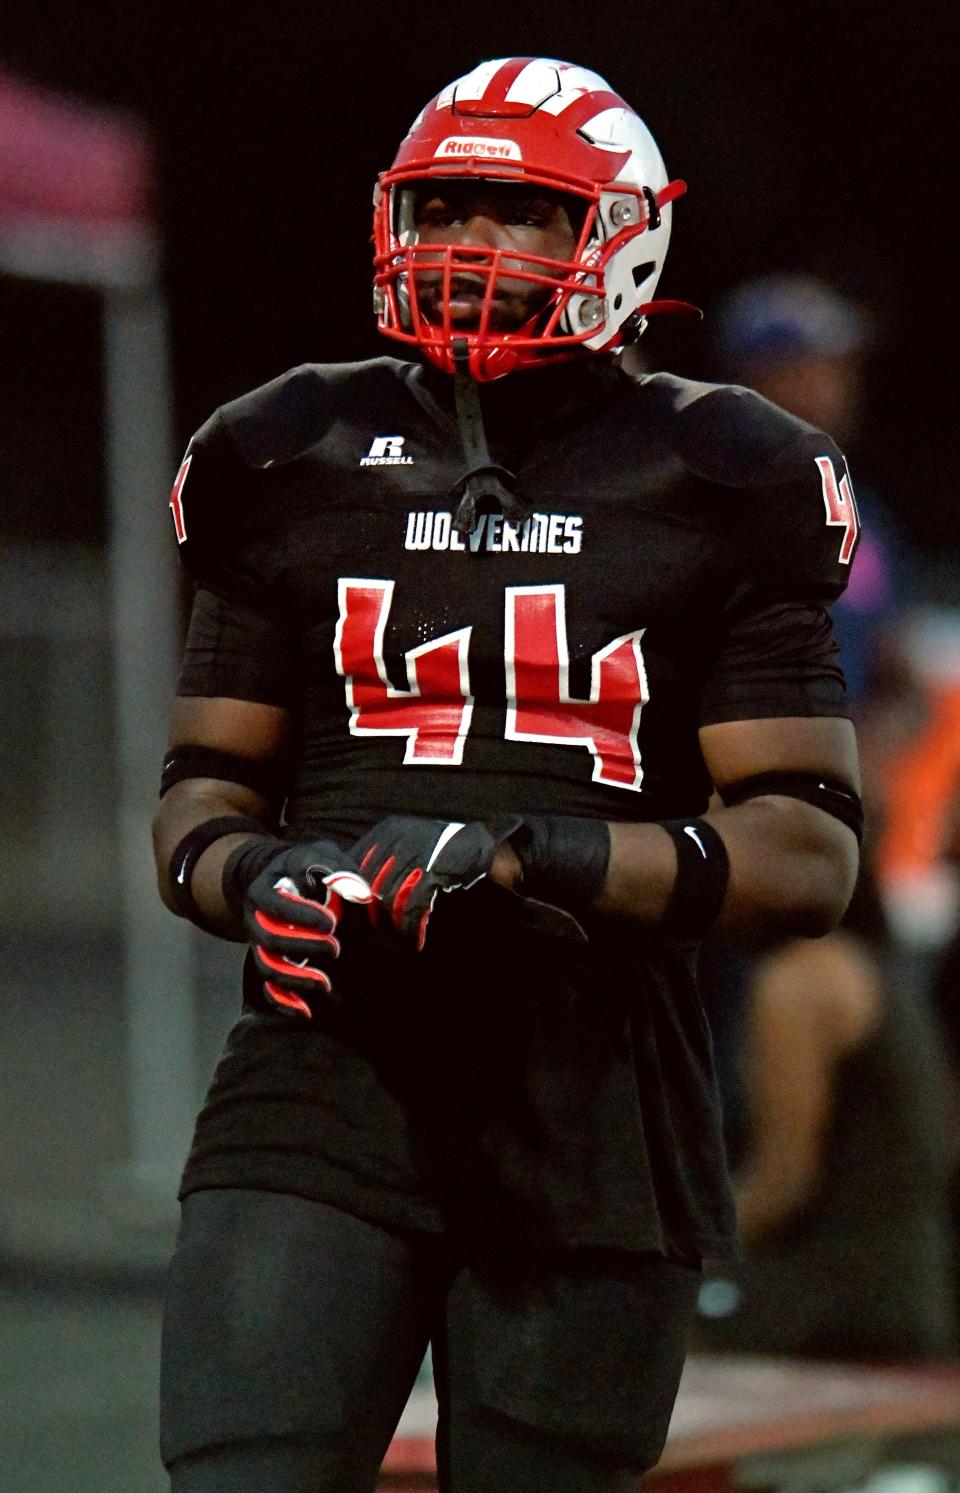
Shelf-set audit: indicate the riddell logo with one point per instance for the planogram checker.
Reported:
(386, 451)
(480, 145)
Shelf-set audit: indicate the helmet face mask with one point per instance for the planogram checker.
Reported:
(512, 283)
(544, 129)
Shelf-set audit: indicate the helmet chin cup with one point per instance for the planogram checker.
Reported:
(484, 363)
(543, 123)
(489, 363)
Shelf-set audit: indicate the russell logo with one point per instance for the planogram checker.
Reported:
(480, 145)
(386, 451)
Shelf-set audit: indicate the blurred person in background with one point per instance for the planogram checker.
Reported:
(946, 995)
(844, 1134)
(832, 1064)
(490, 1122)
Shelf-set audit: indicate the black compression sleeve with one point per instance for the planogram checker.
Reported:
(777, 659)
(238, 650)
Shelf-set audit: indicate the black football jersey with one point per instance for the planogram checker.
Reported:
(683, 539)
(682, 544)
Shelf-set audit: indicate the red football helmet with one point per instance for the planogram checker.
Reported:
(547, 124)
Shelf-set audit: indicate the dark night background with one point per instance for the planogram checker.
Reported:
(818, 136)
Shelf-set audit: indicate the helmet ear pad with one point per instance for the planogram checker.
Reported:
(623, 246)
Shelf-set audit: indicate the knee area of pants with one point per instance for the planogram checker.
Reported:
(269, 1466)
(556, 1456)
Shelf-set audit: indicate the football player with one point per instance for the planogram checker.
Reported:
(475, 637)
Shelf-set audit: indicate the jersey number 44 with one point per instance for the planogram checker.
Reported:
(435, 710)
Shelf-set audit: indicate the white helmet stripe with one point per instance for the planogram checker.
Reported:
(609, 129)
(475, 84)
(574, 83)
(537, 83)
(572, 76)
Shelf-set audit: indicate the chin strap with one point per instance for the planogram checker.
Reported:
(637, 320)
(481, 488)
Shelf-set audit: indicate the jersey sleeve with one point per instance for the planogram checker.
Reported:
(240, 642)
(799, 535)
(778, 658)
(221, 522)
(790, 530)
(235, 651)
(783, 499)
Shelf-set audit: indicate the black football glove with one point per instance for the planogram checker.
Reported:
(291, 911)
(408, 860)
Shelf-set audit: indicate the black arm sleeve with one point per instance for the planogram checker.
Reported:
(241, 643)
(777, 659)
(238, 652)
(787, 529)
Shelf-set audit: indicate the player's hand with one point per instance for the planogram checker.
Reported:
(408, 860)
(506, 868)
(291, 912)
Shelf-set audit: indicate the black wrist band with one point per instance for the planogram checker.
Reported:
(703, 871)
(189, 851)
(564, 860)
(242, 866)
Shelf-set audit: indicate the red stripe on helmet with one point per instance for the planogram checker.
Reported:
(493, 101)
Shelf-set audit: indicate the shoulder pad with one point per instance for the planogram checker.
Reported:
(212, 503)
(223, 507)
(791, 517)
(281, 420)
(721, 432)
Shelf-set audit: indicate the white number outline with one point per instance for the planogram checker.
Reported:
(515, 732)
(411, 658)
(840, 505)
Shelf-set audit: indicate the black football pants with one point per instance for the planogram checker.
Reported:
(293, 1334)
